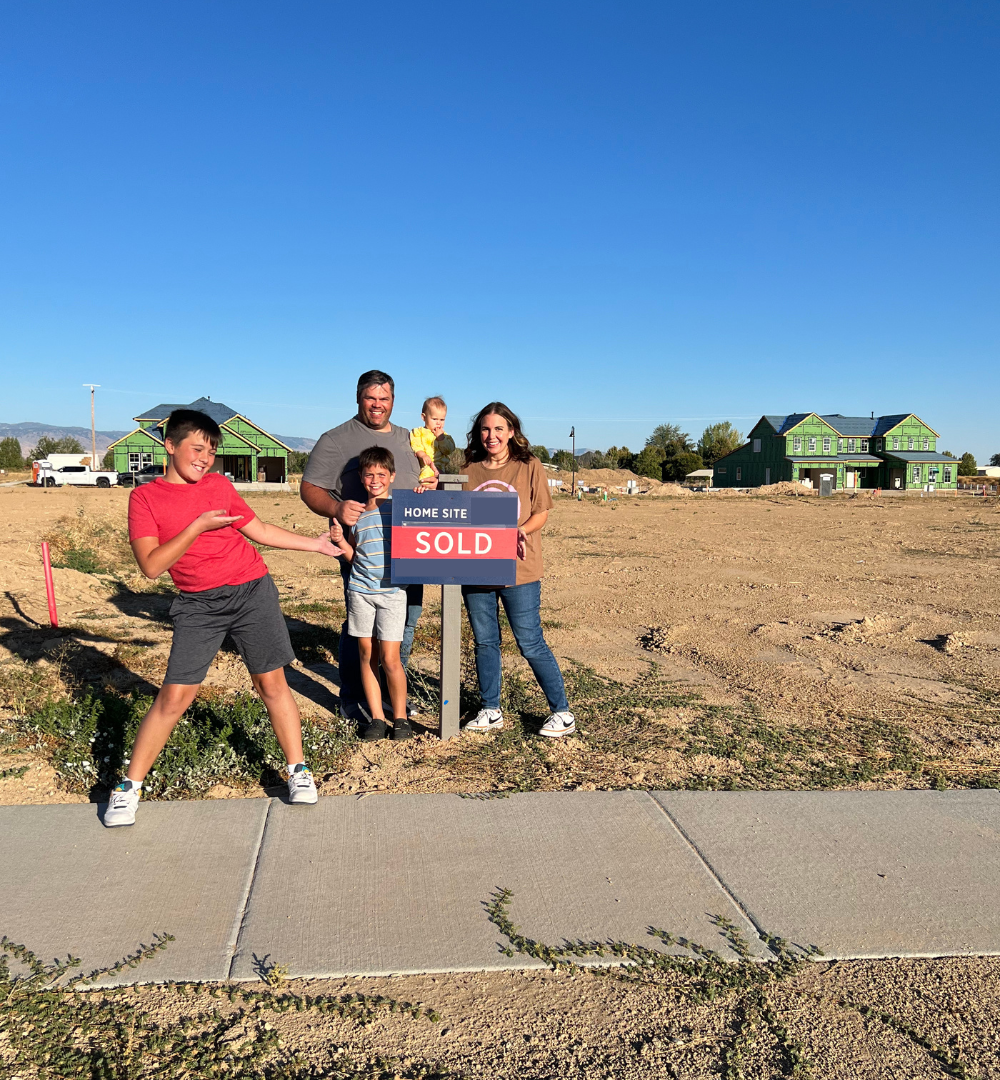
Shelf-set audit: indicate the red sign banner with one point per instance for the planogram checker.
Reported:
(453, 542)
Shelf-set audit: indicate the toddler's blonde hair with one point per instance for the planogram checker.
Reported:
(439, 401)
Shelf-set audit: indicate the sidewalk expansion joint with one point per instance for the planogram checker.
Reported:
(702, 858)
(241, 915)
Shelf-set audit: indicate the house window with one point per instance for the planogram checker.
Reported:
(878, 444)
(796, 444)
(139, 461)
(864, 446)
(739, 472)
(721, 470)
(826, 444)
(916, 474)
(756, 446)
(910, 445)
(812, 444)
(840, 446)
(850, 446)
(927, 443)
(947, 474)
(895, 442)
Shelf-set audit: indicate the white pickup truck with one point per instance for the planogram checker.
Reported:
(47, 476)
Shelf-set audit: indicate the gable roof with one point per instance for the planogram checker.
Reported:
(865, 427)
(159, 412)
(151, 433)
(887, 423)
(257, 427)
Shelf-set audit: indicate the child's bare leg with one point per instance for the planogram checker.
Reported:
(171, 703)
(284, 713)
(395, 677)
(369, 677)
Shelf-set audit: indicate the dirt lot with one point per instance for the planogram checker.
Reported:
(709, 641)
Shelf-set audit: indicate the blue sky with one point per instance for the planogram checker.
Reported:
(605, 214)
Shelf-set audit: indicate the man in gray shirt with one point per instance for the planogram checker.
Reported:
(331, 487)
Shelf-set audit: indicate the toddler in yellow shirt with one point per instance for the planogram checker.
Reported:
(430, 443)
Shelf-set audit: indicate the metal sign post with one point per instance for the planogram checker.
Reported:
(450, 713)
(452, 538)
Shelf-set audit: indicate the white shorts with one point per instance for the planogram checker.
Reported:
(383, 612)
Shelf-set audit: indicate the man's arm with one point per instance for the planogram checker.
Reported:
(321, 502)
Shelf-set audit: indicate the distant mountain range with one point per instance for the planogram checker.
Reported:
(28, 435)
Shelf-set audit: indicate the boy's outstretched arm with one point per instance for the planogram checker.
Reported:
(262, 532)
(155, 558)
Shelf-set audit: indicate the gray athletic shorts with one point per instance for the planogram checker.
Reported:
(249, 612)
(383, 612)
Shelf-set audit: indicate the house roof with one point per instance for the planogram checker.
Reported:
(865, 427)
(159, 412)
(919, 455)
(215, 409)
(150, 433)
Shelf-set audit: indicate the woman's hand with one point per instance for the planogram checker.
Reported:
(522, 540)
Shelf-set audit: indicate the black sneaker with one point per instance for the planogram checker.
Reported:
(373, 731)
(401, 730)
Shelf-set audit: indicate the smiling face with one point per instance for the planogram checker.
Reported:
(377, 480)
(434, 419)
(190, 458)
(375, 407)
(495, 433)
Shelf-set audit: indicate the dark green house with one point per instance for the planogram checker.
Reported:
(246, 453)
(896, 453)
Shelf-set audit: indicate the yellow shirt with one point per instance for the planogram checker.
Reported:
(439, 450)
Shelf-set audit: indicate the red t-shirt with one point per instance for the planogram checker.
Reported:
(218, 557)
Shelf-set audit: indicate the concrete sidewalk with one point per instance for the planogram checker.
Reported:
(398, 883)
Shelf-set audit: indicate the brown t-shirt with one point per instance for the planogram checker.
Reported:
(528, 479)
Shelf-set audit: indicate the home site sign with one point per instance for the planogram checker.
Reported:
(454, 538)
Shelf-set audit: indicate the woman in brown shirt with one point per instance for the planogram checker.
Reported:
(499, 458)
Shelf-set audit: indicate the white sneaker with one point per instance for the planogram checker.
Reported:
(122, 805)
(302, 787)
(557, 725)
(486, 720)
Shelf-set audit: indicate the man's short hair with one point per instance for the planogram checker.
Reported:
(438, 401)
(375, 378)
(184, 422)
(376, 455)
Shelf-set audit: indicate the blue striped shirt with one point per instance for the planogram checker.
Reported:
(372, 535)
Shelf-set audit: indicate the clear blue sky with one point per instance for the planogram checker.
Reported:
(608, 214)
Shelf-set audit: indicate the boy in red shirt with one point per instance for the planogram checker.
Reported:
(189, 523)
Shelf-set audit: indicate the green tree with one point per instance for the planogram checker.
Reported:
(47, 445)
(297, 461)
(995, 460)
(542, 454)
(10, 454)
(619, 457)
(676, 466)
(967, 466)
(717, 440)
(666, 435)
(649, 461)
(109, 460)
(564, 460)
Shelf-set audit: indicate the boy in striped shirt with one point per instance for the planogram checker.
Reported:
(376, 609)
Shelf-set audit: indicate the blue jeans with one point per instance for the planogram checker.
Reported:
(348, 657)
(522, 604)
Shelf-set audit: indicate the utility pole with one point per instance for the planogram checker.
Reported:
(572, 435)
(93, 431)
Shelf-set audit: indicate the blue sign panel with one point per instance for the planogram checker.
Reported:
(454, 538)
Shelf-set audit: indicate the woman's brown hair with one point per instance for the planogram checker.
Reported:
(519, 447)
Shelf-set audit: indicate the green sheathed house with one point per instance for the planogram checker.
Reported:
(896, 453)
(246, 453)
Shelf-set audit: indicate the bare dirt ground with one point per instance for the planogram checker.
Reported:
(709, 641)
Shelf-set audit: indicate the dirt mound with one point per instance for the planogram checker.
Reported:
(615, 480)
(672, 489)
(785, 487)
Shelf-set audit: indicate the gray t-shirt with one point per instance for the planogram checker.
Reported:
(333, 462)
